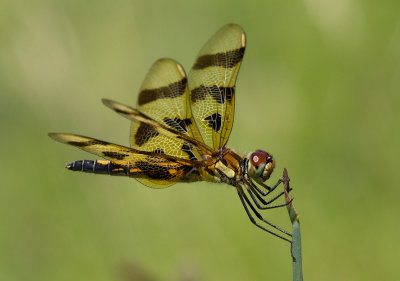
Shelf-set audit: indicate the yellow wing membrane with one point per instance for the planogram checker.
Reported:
(162, 122)
(154, 170)
(151, 136)
(163, 97)
(212, 84)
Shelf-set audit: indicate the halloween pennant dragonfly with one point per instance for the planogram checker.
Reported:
(180, 129)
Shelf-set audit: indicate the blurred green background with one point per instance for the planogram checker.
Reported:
(319, 89)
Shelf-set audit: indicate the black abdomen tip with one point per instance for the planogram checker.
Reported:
(81, 165)
(99, 167)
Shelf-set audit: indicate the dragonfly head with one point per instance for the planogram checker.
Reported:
(261, 164)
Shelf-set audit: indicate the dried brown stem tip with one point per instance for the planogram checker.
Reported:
(294, 216)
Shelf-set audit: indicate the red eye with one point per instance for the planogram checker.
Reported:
(259, 157)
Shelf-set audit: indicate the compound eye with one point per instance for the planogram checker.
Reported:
(258, 158)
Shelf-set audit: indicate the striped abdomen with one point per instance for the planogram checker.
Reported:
(156, 171)
(100, 167)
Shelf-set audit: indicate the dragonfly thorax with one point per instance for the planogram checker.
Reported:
(260, 165)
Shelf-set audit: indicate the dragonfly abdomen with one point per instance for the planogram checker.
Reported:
(99, 167)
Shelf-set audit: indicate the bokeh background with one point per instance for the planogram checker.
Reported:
(319, 89)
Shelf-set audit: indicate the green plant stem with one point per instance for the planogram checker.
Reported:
(296, 236)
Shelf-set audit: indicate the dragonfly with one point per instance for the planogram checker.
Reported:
(180, 128)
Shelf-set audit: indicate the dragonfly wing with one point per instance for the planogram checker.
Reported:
(212, 84)
(149, 135)
(154, 170)
(163, 97)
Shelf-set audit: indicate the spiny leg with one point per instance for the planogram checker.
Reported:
(270, 189)
(255, 189)
(253, 192)
(243, 195)
(254, 221)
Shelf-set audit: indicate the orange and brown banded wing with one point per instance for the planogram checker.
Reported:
(149, 135)
(159, 173)
(97, 147)
(154, 170)
(212, 84)
(163, 97)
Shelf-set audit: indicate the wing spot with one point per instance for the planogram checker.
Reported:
(187, 148)
(172, 90)
(225, 59)
(154, 171)
(158, 151)
(219, 94)
(119, 110)
(87, 143)
(178, 124)
(115, 155)
(144, 133)
(214, 121)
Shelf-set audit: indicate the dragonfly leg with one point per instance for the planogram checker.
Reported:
(270, 189)
(246, 202)
(250, 189)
